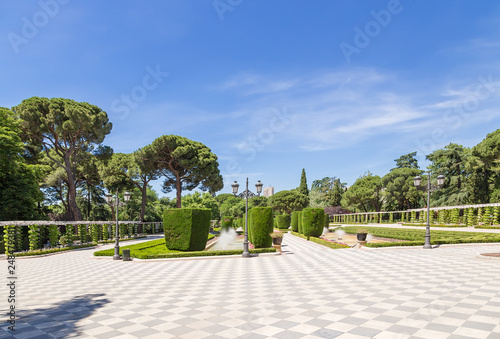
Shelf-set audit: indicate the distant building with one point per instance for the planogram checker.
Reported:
(268, 191)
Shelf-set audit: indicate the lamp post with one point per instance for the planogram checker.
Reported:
(258, 186)
(417, 181)
(109, 197)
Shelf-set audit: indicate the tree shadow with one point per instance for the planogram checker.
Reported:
(57, 321)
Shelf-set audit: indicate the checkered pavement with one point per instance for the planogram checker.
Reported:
(308, 292)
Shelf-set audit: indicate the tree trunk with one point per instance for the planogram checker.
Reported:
(77, 215)
(178, 186)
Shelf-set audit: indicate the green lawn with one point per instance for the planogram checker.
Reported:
(323, 242)
(416, 237)
(155, 249)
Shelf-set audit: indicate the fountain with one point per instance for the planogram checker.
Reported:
(225, 239)
(340, 233)
(325, 231)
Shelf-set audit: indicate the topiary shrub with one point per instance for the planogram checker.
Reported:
(186, 229)
(327, 220)
(226, 223)
(283, 221)
(299, 218)
(261, 226)
(53, 235)
(295, 221)
(313, 221)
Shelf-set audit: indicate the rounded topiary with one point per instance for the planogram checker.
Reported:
(295, 221)
(261, 226)
(313, 221)
(283, 221)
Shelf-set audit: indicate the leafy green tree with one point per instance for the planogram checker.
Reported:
(185, 164)
(365, 195)
(67, 127)
(233, 207)
(303, 183)
(400, 192)
(407, 161)
(19, 191)
(285, 202)
(259, 201)
(125, 171)
(483, 177)
(450, 161)
(327, 192)
(205, 200)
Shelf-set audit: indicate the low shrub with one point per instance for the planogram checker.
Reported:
(324, 242)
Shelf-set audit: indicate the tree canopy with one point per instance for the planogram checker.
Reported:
(68, 128)
(365, 195)
(407, 161)
(285, 202)
(185, 164)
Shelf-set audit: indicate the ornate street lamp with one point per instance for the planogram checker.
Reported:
(258, 186)
(417, 181)
(126, 198)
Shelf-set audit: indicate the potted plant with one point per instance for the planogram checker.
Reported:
(361, 234)
(277, 237)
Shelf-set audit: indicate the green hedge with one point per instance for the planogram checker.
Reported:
(261, 226)
(295, 221)
(205, 253)
(186, 229)
(313, 221)
(283, 221)
(331, 244)
(299, 222)
(327, 220)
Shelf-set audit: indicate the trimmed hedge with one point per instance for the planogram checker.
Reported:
(313, 221)
(205, 253)
(295, 221)
(327, 220)
(283, 221)
(186, 229)
(332, 244)
(299, 222)
(261, 226)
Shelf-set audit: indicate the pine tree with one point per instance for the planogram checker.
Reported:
(303, 183)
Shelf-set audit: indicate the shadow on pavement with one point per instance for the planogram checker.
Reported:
(59, 320)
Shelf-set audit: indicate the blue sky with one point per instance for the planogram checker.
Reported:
(337, 88)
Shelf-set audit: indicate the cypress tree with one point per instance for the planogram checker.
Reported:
(303, 183)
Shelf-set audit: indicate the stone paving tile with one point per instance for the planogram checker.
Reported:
(315, 292)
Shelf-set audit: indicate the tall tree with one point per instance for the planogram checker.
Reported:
(450, 161)
(365, 195)
(303, 183)
(407, 161)
(185, 164)
(327, 191)
(67, 127)
(400, 192)
(483, 177)
(288, 201)
(19, 191)
(125, 171)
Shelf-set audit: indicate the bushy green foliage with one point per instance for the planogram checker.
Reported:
(186, 229)
(262, 225)
(327, 220)
(82, 232)
(295, 221)
(283, 221)
(313, 221)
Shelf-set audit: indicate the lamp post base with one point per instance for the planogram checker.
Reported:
(427, 243)
(246, 253)
(116, 256)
